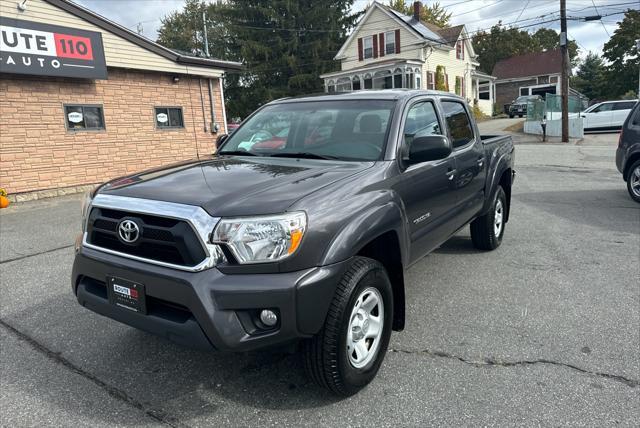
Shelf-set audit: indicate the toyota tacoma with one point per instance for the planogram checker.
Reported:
(299, 230)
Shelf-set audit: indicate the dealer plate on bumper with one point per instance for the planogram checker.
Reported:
(126, 294)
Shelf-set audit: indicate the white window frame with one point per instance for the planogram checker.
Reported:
(391, 38)
(364, 47)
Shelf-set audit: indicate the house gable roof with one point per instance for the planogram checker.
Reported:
(141, 41)
(440, 37)
(531, 64)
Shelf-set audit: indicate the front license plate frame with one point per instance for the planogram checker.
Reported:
(127, 294)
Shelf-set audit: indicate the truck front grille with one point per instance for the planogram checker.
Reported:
(162, 239)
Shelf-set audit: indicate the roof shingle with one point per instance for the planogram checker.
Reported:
(531, 64)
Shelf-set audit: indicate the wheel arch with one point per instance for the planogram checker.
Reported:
(385, 249)
(630, 161)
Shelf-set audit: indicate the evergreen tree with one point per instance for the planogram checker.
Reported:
(284, 45)
(590, 78)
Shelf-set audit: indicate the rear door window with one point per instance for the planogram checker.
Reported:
(626, 105)
(458, 122)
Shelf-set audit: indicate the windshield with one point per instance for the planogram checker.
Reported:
(342, 129)
(522, 99)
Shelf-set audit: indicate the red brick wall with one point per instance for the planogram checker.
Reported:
(38, 153)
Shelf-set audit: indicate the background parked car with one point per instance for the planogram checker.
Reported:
(232, 127)
(519, 105)
(628, 153)
(607, 115)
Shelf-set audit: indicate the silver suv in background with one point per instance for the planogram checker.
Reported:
(607, 115)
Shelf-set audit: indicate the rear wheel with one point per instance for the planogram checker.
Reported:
(487, 231)
(633, 181)
(347, 353)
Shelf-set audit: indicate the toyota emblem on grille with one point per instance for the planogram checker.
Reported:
(128, 231)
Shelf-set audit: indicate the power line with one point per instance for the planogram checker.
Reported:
(598, 13)
(525, 6)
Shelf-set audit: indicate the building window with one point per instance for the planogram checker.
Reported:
(84, 117)
(343, 85)
(368, 47)
(390, 42)
(368, 82)
(460, 86)
(460, 49)
(356, 83)
(418, 82)
(431, 80)
(169, 117)
(397, 80)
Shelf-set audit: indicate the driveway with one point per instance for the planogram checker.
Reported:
(543, 331)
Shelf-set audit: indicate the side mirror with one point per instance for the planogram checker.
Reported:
(429, 148)
(221, 139)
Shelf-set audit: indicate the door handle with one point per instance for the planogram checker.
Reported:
(480, 162)
(451, 173)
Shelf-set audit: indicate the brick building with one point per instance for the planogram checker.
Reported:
(83, 100)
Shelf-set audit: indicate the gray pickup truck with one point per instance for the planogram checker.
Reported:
(299, 230)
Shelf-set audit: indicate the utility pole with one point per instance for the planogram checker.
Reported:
(565, 71)
(214, 126)
(206, 40)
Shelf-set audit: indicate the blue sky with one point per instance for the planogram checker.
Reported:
(475, 14)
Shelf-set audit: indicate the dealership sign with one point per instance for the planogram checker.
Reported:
(49, 50)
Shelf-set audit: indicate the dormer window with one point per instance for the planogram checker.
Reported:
(368, 47)
(390, 42)
(460, 49)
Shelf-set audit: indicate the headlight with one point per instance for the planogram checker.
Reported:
(261, 239)
(86, 204)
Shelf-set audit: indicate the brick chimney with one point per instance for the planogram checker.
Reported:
(416, 10)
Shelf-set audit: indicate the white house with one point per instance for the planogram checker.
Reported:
(388, 49)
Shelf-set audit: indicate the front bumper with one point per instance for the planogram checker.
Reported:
(209, 309)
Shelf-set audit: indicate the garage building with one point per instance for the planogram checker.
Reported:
(84, 100)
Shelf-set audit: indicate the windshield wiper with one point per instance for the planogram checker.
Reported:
(304, 155)
(237, 152)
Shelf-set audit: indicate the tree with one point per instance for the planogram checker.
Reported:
(622, 54)
(548, 39)
(284, 45)
(504, 42)
(590, 78)
(434, 14)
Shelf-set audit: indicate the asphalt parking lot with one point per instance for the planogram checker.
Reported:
(543, 331)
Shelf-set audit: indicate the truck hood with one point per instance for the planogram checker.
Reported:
(235, 186)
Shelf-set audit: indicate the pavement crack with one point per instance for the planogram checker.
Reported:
(117, 393)
(497, 363)
(26, 256)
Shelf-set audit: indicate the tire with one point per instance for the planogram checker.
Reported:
(510, 116)
(633, 181)
(484, 230)
(328, 360)
(520, 116)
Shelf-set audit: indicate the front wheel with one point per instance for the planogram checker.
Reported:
(347, 353)
(633, 181)
(487, 231)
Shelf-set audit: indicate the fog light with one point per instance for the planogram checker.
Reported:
(268, 317)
